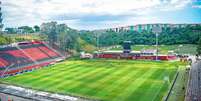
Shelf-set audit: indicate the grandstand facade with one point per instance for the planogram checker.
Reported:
(26, 56)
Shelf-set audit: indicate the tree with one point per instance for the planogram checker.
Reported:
(26, 29)
(10, 30)
(69, 39)
(5, 40)
(61, 35)
(199, 47)
(88, 36)
(36, 28)
(2, 40)
(169, 36)
(50, 30)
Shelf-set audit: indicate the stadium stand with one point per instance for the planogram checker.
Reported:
(26, 56)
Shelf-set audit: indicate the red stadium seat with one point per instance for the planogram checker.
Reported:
(26, 57)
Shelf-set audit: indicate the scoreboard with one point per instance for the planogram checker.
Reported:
(127, 46)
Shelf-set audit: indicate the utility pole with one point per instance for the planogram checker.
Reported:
(157, 45)
(97, 41)
(1, 19)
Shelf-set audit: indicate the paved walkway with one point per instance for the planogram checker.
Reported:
(194, 84)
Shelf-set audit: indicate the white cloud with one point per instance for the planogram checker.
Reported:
(175, 5)
(196, 6)
(30, 12)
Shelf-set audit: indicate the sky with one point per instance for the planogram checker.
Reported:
(99, 14)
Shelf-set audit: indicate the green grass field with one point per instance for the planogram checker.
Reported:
(180, 49)
(107, 80)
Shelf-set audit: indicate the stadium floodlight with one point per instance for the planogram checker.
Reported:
(157, 30)
(127, 46)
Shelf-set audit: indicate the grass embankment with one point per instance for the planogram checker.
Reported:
(163, 49)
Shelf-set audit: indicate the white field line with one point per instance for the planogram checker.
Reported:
(139, 81)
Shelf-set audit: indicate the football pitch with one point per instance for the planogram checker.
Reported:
(107, 80)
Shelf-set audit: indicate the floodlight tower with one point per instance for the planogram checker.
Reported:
(1, 19)
(157, 30)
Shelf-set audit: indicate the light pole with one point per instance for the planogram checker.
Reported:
(97, 41)
(157, 46)
(157, 30)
